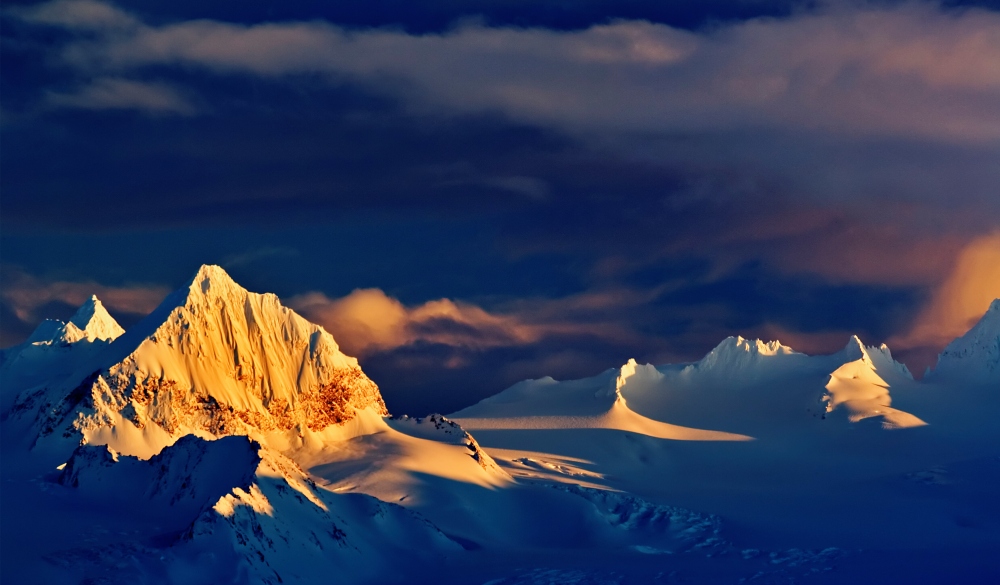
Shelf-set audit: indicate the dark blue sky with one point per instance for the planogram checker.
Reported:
(584, 182)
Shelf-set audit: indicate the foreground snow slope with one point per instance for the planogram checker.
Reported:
(848, 450)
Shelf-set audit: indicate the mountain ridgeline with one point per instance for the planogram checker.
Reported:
(213, 359)
(224, 438)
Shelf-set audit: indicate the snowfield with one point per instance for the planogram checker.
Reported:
(225, 439)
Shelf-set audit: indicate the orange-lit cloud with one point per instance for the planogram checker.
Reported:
(24, 295)
(961, 299)
(368, 321)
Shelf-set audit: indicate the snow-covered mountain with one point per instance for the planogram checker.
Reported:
(56, 350)
(176, 435)
(975, 356)
(741, 388)
(226, 439)
(212, 360)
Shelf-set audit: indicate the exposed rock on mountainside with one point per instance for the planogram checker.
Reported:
(212, 359)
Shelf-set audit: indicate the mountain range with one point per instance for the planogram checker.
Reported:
(225, 439)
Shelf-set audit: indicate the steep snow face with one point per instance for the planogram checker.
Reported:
(975, 356)
(55, 350)
(214, 360)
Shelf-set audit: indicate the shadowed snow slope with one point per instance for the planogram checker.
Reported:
(231, 511)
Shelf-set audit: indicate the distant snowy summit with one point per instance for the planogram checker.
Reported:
(56, 349)
(748, 388)
(213, 359)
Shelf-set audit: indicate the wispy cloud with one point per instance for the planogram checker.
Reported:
(908, 70)
(123, 94)
(368, 321)
(84, 15)
(256, 255)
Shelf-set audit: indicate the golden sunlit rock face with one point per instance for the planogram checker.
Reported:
(172, 407)
(217, 360)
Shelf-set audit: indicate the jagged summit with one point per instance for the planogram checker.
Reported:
(878, 358)
(213, 359)
(974, 356)
(738, 353)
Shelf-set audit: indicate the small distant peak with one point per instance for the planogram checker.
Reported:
(91, 322)
(994, 306)
(878, 359)
(740, 354)
(94, 322)
(87, 311)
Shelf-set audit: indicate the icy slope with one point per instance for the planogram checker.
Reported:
(975, 356)
(212, 360)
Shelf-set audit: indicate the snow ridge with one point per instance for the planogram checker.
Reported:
(877, 358)
(738, 355)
